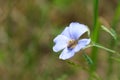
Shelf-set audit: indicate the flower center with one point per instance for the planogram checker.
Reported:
(72, 44)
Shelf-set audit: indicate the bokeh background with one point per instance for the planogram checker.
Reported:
(27, 30)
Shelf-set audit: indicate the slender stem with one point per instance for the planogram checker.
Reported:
(95, 34)
(107, 49)
(102, 47)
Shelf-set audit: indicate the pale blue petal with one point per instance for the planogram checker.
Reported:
(61, 42)
(66, 54)
(81, 44)
(61, 38)
(76, 30)
(59, 46)
(66, 32)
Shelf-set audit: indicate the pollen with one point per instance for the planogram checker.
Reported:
(72, 44)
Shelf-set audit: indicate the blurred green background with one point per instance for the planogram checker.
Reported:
(27, 30)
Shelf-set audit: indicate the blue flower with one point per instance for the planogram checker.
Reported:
(69, 40)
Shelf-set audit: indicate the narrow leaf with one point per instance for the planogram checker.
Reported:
(116, 59)
(110, 31)
(88, 59)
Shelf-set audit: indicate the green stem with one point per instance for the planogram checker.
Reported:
(95, 34)
(102, 47)
(107, 49)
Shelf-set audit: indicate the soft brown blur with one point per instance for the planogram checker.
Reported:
(27, 30)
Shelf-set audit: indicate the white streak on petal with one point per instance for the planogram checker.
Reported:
(81, 44)
(66, 54)
(59, 46)
(76, 30)
(61, 42)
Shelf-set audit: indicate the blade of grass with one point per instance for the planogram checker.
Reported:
(95, 33)
(94, 38)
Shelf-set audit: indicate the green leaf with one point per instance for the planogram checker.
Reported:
(76, 65)
(110, 31)
(88, 59)
(72, 63)
(116, 59)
